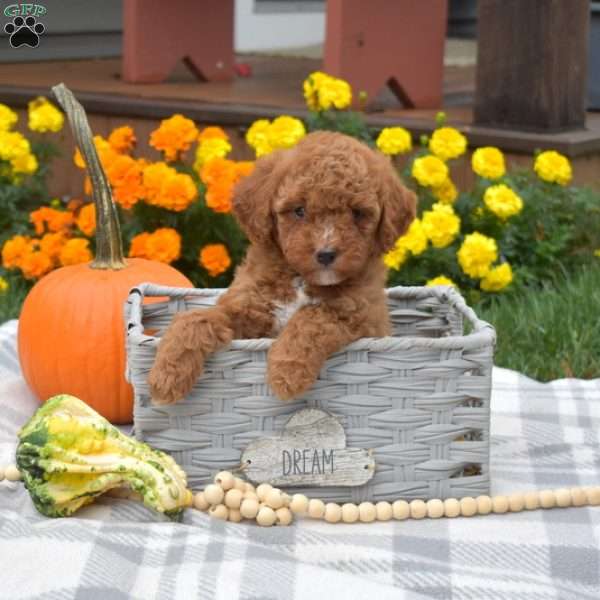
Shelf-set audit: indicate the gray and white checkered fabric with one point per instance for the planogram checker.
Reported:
(542, 436)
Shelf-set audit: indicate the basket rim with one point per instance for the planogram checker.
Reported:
(483, 334)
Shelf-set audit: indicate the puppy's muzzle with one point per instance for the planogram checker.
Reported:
(326, 257)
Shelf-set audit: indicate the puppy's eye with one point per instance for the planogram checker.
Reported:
(299, 212)
(357, 214)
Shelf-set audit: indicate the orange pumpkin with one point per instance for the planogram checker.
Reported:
(71, 330)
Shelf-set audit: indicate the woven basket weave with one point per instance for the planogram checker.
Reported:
(420, 398)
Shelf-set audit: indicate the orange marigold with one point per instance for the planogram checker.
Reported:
(14, 250)
(244, 168)
(122, 139)
(212, 132)
(215, 259)
(153, 176)
(35, 264)
(138, 245)
(218, 169)
(177, 192)
(125, 175)
(106, 153)
(174, 136)
(75, 251)
(74, 204)
(50, 218)
(86, 219)
(52, 244)
(219, 196)
(164, 245)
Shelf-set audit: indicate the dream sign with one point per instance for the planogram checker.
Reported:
(311, 450)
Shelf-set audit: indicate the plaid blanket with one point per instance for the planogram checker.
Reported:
(543, 436)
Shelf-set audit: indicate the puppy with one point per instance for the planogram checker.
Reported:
(319, 217)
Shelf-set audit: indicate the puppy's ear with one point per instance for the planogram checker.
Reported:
(398, 208)
(252, 198)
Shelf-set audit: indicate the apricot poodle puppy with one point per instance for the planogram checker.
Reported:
(319, 217)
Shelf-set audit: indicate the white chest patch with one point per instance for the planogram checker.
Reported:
(284, 311)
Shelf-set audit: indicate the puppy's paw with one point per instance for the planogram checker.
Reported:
(289, 378)
(170, 383)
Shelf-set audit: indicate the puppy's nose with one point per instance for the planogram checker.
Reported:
(326, 257)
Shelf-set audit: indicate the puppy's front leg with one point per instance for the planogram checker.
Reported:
(298, 354)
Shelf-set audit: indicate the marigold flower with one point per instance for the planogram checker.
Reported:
(488, 162)
(285, 132)
(25, 164)
(8, 117)
(13, 145)
(212, 132)
(153, 176)
(177, 192)
(323, 92)
(395, 258)
(122, 139)
(215, 259)
(497, 279)
(445, 193)
(35, 264)
(440, 280)
(476, 254)
(86, 219)
(125, 175)
(502, 201)
(209, 149)
(50, 218)
(44, 116)
(430, 171)
(174, 136)
(553, 167)
(243, 168)
(3, 285)
(414, 240)
(219, 196)
(394, 140)
(447, 143)
(441, 225)
(75, 251)
(137, 249)
(52, 245)
(163, 245)
(106, 153)
(13, 251)
(218, 169)
(257, 138)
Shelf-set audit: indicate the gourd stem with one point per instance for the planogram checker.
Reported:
(109, 246)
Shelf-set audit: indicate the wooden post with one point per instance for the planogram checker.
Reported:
(158, 34)
(532, 64)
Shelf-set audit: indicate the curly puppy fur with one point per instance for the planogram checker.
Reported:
(318, 216)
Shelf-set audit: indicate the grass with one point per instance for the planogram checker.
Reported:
(546, 334)
(550, 333)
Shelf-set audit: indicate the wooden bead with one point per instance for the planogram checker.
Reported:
(350, 513)
(468, 506)
(284, 516)
(593, 496)
(233, 498)
(234, 515)
(262, 490)
(516, 502)
(220, 511)
(547, 499)
(367, 512)
(578, 496)
(563, 497)
(249, 508)
(274, 499)
(383, 511)
(299, 503)
(435, 508)
(418, 509)
(239, 484)
(484, 505)
(225, 479)
(266, 516)
(333, 512)
(200, 502)
(250, 488)
(500, 504)
(316, 508)
(451, 507)
(401, 510)
(250, 496)
(532, 500)
(11, 473)
(214, 494)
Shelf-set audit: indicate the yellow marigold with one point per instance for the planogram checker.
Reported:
(488, 162)
(13, 251)
(219, 196)
(50, 218)
(44, 116)
(86, 219)
(215, 259)
(35, 264)
(285, 132)
(8, 117)
(52, 244)
(447, 143)
(25, 164)
(164, 245)
(553, 167)
(445, 193)
(122, 139)
(597, 252)
(3, 285)
(13, 145)
(430, 171)
(137, 249)
(211, 148)
(257, 138)
(476, 254)
(414, 240)
(502, 201)
(177, 192)
(497, 279)
(394, 259)
(440, 280)
(75, 251)
(174, 136)
(322, 92)
(394, 140)
(441, 225)
(209, 133)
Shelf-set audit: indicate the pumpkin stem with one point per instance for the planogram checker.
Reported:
(109, 246)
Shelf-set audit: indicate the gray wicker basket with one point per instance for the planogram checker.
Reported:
(420, 398)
